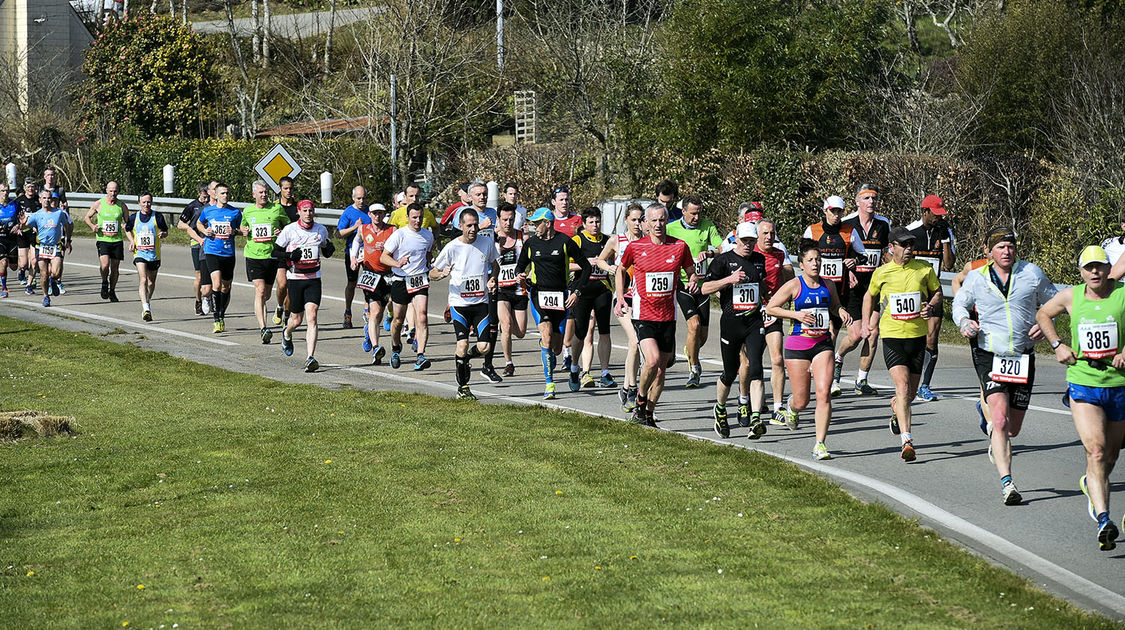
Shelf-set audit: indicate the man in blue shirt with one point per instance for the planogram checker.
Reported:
(10, 220)
(218, 223)
(49, 224)
(353, 216)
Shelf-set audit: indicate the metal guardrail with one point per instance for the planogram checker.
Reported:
(172, 205)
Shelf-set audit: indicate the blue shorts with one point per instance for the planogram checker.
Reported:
(1110, 399)
(556, 317)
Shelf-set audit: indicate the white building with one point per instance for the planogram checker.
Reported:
(41, 47)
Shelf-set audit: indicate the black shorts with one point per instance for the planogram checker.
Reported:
(352, 274)
(204, 272)
(399, 294)
(27, 239)
(1019, 394)
(825, 345)
(223, 264)
(600, 304)
(518, 302)
(938, 312)
(854, 303)
(115, 251)
(152, 265)
(195, 252)
(381, 293)
(264, 269)
(9, 249)
(737, 332)
(777, 326)
(692, 305)
(906, 352)
(467, 319)
(663, 332)
(557, 317)
(302, 292)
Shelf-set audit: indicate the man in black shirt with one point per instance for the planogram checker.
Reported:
(288, 201)
(933, 244)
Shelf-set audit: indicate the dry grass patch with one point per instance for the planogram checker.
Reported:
(16, 425)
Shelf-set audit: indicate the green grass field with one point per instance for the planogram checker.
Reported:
(206, 498)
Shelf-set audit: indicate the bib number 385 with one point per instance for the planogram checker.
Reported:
(1097, 341)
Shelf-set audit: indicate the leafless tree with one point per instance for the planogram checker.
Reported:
(328, 39)
(268, 34)
(247, 88)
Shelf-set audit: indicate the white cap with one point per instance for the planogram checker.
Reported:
(747, 229)
(835, 201)
(375, 207)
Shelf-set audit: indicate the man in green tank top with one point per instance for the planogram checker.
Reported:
(261, 223)
(111, 214)
(1095, 376)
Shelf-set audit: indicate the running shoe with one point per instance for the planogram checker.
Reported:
(623, 396)
(633, 397)
(990, 457)
(113, 296)
(778, 417)
(792, 418)
(757, 429)
(463, 393)
(30, 289)
(820, 452)
(61, 287)
(1089, 503)
(908, 452)
(835, 391)
(22, 277)
(693, 377)
(199, 309)
(721, 426)
(448, 317)
(895, 430)
(387, 322)
(489, 372)
(54, 288)
(549, 391)
(421, 363)
(216, 328)
(311, 364)
(743, 415)
(566, 362)
(509, 370)
(1012, 496)
(1107, 534)
(206, 306)
(146, 316)
(983, 420)
(222, 325)
(396, 360)
(410, 335)
(46, 300)
(587, 380)
(287, 345)
(628, 402)
(925, 395)
(377, 355)
(863, 389)
(4, 292)
(366, 344)
(347, 319)
(606, 381)
(276, 313)
(573, 382)
(267, 335)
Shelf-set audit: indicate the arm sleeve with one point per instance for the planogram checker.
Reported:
(876, 284)
(807, 233)
(355, 248)
(932, 282)
(443, 259)
(185, 216)
(687, 262)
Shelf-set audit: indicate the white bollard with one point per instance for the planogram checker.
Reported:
(169, 179)
(326, 187)
(11, 170)
(493, 194)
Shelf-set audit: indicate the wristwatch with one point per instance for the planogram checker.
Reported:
(1056, 343)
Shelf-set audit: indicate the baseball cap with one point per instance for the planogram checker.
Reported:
(934, 204)
(901, 235)
(305, 204)
(540, 214)
(999, 235)
(376, 207)
(866, 188)
(1093, 254)
(835, 201)
(746, 230)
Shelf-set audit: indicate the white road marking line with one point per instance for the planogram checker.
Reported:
(116, 321)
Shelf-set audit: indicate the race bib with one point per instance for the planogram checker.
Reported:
(820, 323)
(904, 306)
(596, 272)
(935, 263)
(109, 228)
(473, 286)
(701, 267)
(1010, 369)
(744, 297)
(1097, 341)
(310, 258)
(146, 240)
(768, 319)
(508, 275)
(368, 279)
(417, 282)
(261, 232)
(659, 283)
(832, 268)
(47, 252)
(869, 261)
(221, 229)
(550, 300)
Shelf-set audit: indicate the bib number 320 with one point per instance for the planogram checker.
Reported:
(1010, 369)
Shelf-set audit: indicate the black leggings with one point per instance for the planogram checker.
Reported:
(736, 332)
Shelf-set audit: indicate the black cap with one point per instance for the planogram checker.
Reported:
(465, 186)
(866, 187)
(901, 235)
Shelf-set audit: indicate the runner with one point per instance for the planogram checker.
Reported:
(399, 219)
(511, 295)
(738, 276)
(543, 266)
(188, 218)
(216, 224)
(11, 219)
(51, 184)
(935, 247)
(567, 223)
(808, 348)
(615, 248)
(111, 214)
(470, 264)
(512, 196)
(304, 241)
(596, 303)
(657, 262)
(666, 193)
(374, 278)
(840, 247)
(778, 272)
(407, 253)
(983, 413)
(478, 201)
(1005, 295)
(1114, 246)
(872, 230)
(49, 224)
(261, 222)
(909, 291)
(1095, 377)
(462, 201)
(351, 218)
(703, 238)
(25, 240)
(145, 229)
(288, 201)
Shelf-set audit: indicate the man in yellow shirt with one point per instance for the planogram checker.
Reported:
(410, 195)
(909, 291)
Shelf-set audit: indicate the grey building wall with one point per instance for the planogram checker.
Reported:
(41, 45)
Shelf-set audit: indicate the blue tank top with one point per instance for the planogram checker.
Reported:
(9, 213)
(810, 299)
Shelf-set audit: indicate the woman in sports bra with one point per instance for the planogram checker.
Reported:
(810, 342)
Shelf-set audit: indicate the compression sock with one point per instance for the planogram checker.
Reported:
(548, 360)
(554, 361)
(462, 370)
(214, 299)
(929, 362)
(226, 302)
(474, 351)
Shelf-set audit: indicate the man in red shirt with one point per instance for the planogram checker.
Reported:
(451, 211)
(657, 262)
(565, 221)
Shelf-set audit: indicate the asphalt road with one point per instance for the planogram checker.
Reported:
(951, 488)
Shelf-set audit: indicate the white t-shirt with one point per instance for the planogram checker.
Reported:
(472, 266)
(407, 242)
(1114, 247)
(293, 236)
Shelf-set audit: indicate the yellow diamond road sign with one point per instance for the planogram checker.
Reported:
(276, 164)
